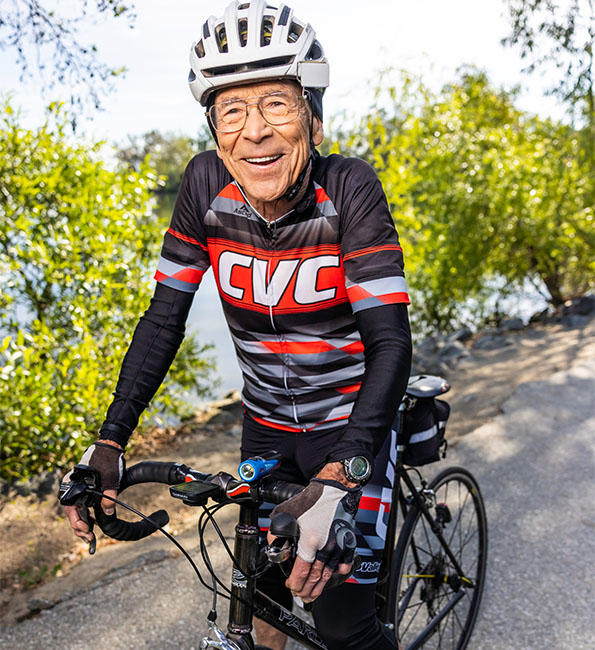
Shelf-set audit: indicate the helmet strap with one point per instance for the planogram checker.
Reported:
(293, 191)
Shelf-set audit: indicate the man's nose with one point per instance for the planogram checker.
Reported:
(256, 126)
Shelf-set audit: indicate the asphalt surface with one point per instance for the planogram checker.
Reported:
(535, 465)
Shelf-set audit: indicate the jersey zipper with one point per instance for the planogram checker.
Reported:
(271, 239)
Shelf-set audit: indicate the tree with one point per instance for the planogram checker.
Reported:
(77, 245)
(169, 153)
(48, 40)
(485, 197)
(550, 36)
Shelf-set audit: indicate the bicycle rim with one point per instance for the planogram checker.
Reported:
(426, 585)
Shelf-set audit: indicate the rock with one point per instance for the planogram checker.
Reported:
(451, 353)
(576, 320)
(511, 324)
(492, 342)
(540, 316)
(463, 334)
(37, 604)
(228, 410)
(428, 346)
(583, 306)
(234, 431)
(429, 365)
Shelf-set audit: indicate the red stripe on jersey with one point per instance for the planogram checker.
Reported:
(321, 195)
(272, 425)
(232, 191)
(354, 348)
(373, 249)
(189, 275)
(297, 309)
(185, 238)
(296, 429)
(298, 347)
(220, 245)
(349, 389)
(392, 298)
(192, 276)
(356, 292)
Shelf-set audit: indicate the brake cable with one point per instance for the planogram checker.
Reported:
(170, 537)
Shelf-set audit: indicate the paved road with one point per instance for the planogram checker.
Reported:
(535, 464)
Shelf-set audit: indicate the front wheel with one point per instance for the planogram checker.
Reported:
(431, 604)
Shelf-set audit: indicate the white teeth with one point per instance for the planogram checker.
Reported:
(265, 159)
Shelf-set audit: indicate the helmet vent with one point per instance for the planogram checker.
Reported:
(243, 31)
(249, 67)
(246, 5)
(315, 52)
(295, 31)
(221, 38)
(267, 30)
(284, 17)
(200, 49)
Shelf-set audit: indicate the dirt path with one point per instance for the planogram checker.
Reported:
(33, 534)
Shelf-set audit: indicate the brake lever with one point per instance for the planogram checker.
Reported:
(77, 492)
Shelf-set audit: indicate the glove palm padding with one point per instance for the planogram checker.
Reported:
(325, 511)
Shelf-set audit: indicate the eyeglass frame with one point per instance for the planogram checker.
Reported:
(302, 97)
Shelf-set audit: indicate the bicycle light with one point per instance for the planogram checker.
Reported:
(257, 466)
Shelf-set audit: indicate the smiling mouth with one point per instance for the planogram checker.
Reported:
(263, 160)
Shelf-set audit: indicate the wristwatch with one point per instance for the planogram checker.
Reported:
(357, 469)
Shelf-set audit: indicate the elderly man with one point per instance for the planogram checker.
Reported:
(310, 273)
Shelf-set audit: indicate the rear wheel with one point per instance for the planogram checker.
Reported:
(426, 586)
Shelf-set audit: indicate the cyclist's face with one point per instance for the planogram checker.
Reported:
(266, 160)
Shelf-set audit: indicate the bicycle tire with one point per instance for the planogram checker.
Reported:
(419, 590)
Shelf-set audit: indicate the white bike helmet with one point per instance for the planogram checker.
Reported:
(255, 41)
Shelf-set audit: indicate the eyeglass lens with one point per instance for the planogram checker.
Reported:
(276, 108)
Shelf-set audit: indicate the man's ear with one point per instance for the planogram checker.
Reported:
(317, 131)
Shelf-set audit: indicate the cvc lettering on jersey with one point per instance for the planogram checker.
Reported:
(295, 282)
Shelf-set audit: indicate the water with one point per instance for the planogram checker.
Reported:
(207, 320)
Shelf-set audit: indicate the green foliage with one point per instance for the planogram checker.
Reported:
(485, 197)
(77, 245)
(169, 153)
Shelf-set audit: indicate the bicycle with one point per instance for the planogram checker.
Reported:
(430, 587)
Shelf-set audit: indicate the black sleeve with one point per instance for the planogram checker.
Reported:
(156, 340)
(386, 337)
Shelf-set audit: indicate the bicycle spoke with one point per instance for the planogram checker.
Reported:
(431, 591)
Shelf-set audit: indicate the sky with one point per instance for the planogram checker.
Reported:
(427, 37)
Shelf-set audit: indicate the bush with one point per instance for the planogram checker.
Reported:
(78, 243)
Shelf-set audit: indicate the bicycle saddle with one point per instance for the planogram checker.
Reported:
(426, 386)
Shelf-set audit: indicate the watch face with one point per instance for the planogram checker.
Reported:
(359, 466)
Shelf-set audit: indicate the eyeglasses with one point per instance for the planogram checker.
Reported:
(276, 108)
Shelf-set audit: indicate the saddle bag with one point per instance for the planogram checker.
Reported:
(424, 426)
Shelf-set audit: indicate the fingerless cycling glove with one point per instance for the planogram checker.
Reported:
(325, 512)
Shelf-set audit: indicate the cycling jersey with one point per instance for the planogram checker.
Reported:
(290, 287)
(315, 302)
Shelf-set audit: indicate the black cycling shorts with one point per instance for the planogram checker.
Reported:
(303, 455)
